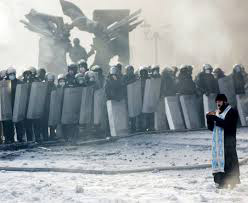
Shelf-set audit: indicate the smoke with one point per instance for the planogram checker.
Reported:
(191, 31)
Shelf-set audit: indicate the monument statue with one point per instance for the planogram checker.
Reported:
(55, 37)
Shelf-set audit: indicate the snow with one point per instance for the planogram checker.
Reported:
(144, 151)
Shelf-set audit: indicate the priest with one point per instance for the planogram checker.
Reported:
(223, 124)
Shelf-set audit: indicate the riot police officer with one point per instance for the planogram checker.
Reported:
(70, 76)
(130, 78)
(3, 75)
(70, 131)
(186, 85)
(8, 126)
(119, 70)
(114, 88)
(142, 120)
(50, 79)
(80, 80)
(168, 83)
(90, 79)
(41, 74)
(61, 80)
(155, 72)
(205, 81)
(238, 79)
(32, 126)
(100, 77)
(83, 67)
(218, 73)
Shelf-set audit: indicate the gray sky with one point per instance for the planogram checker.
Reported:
(209, 31)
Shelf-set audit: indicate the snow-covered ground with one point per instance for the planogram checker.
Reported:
(144, 151)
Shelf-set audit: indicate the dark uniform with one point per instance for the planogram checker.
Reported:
(44, 120)
(238, 79)
(70, 131)
(130, 78)
(8, 126)
(168, 83)
(186, 85)
(32, 126)
(142, 121)
(205, 81)
(114, 89)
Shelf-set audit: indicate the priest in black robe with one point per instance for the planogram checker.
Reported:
(231, 173)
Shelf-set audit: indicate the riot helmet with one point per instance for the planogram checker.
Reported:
(72, 69)
(129, 70)
(80, 79)
(41, 73)
(207, 68)
(11, 73)
(50, 77)
(61, 80)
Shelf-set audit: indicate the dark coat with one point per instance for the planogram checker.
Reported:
(231, 158)
(186, 85)
(14, 83)
(239, 83)
(70, 81)
(207, 83)
(114, 89)
(168, 86)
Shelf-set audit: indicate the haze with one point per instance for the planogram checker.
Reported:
(191, 31)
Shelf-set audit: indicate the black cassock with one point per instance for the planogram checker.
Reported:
(229, 124)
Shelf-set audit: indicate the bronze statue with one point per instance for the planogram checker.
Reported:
(55, 36)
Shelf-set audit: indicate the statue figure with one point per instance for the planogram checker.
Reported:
(78, 53)
(54, 42)
(55, 36)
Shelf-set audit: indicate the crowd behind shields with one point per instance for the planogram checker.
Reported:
(173, 81)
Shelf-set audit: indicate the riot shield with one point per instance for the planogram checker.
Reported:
(192, 116)
(151, 95)
(134, 99)
(209, 104)
(174, 113)
(160, 119)
(71, 105)
(242, 104)
(118, 118)
(226, 86)
(37, 99)
(100, 107)
(55, 108)
(21, 102)
(5, 101)
(86, 109)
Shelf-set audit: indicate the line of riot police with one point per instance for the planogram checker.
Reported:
(77, 101)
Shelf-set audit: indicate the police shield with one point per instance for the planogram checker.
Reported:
(99, 107)
(242, 104)
(86, 109)
(71, 106)
(174, 113)
(209, 104)
(5, 101)
(37, 100)
(134, 98)
(226, 86)
(151, 95)
(190, 107)
(160, 119)
(21, 101)
(55, 108)
(118, 118)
